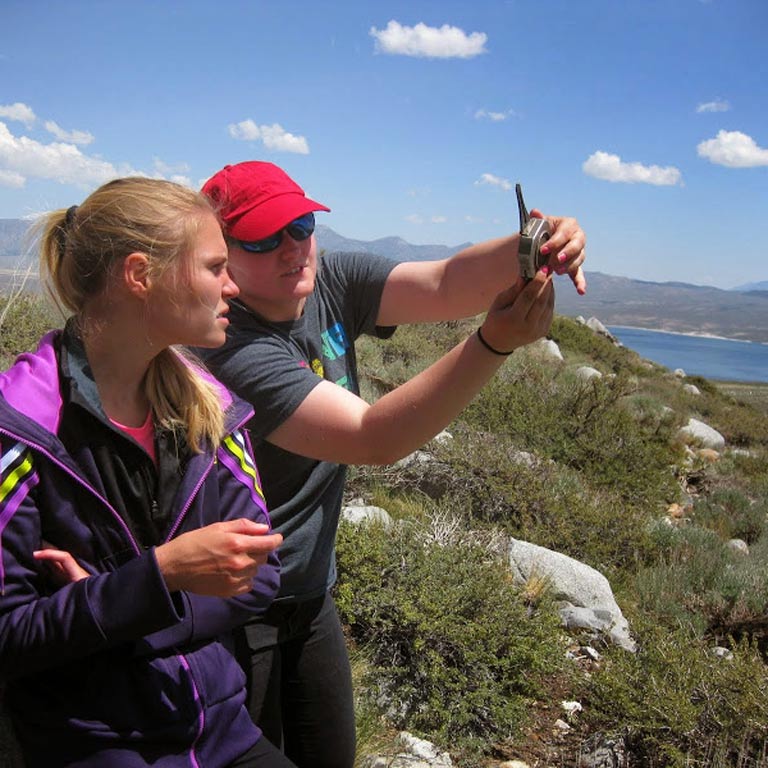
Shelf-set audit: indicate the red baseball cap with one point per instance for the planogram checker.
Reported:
(256, 199)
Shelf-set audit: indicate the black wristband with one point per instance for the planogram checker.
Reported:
(490, 348)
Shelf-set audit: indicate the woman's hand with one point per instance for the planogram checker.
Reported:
(219, 560)
(566, 246)
(62, 567)
(521, 314)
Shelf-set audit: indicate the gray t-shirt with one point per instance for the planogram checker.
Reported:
(274, 366)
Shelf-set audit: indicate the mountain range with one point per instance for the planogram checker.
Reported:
(741, 313)
(680, 307)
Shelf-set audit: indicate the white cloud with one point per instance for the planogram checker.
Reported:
(245, 130)
(733, 149)
(19, 112)
(718, 105)
(473, 219)
(11, 179)
(168, 168)
(415, 218)
(494, 181)
(176, 172)
(445, 42)
(178, 178)
(273, 136)
(603, 165)
(71, 137)
(23, 158)
(495, 117)
(58, 161)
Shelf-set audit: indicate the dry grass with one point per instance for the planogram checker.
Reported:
(755, 395)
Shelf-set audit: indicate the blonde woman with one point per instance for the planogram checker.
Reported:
(133, 532)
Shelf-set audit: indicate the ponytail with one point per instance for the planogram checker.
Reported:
(79, 248)
(181, 397)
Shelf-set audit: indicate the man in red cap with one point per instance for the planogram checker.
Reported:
(290, 352)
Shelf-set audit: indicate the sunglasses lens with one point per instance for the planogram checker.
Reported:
(262, 246)
(299, 229)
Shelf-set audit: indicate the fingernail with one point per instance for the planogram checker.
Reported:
(562, 256)
(546, 269)
(544, 249)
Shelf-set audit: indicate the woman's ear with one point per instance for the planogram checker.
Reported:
(136, 274)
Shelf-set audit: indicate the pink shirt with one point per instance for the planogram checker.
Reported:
(143, 435)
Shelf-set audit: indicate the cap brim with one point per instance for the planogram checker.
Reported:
(272, 215)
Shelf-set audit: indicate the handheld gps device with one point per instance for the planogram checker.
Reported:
(533, 234)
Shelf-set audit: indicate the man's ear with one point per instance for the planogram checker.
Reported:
(136, 274)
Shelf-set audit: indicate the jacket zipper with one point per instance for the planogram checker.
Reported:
(203, 476)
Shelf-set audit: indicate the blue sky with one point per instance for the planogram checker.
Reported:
(645, 119)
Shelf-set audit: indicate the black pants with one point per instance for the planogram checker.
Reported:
(300, 684)
(262, 755)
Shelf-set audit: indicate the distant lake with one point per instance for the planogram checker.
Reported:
(718, 359)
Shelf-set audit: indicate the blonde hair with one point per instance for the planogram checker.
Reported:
(79, 249)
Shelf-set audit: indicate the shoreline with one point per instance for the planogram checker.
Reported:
(742, 366)
(690, 334)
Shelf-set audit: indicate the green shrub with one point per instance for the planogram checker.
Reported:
(676, 587)
(454, 649)
(545, 502)
(732, 514)
(578, 340)
(373, 736)
(698, 582)
(25, 318)
(389, 364)
(740, 424)
(581, 425)
(679, 703)
(587, 469)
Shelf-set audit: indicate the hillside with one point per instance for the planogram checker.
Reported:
(391, 247)
(592, 468)
(762, 285)
(669, 307)
(12, 233)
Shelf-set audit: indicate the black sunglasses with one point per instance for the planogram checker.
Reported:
(299, 229)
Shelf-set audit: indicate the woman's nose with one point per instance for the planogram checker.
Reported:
(230, 289)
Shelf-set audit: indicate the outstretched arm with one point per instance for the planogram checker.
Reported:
(465, 284)
(333, 424)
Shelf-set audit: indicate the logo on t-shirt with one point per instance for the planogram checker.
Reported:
(335, 343)
(335, 346)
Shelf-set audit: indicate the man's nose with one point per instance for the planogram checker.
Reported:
(290, 246)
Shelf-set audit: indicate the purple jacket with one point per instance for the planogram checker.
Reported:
(114, 670)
